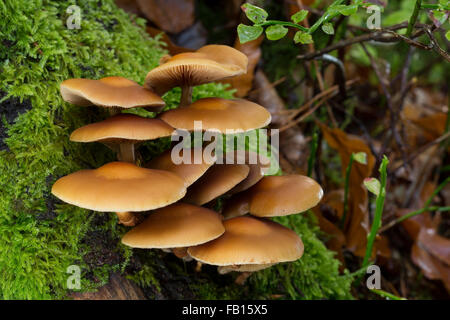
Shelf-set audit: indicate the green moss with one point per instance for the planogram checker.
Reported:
(40, 236)
(40, 53)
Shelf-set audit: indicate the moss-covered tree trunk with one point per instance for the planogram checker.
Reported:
(41, 237)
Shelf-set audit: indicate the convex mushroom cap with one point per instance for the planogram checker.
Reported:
(219, 179)
(109, 92)
(189, 169)
(276, 196)
(219, 115)
(120, 187)
(207, 64)
(249, 241)
(175, 226)
(122, 127)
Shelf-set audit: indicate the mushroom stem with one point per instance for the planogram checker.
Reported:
(127, 153)
(182, 253)
(242, 278)
(186, 96)
(128, 219)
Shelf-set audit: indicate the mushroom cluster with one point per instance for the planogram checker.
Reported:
(179, 196)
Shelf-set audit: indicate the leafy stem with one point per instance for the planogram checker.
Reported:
(347, 187)
(413, 19)
(282, 23)
(376, 224)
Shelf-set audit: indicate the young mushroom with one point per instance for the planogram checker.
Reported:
(219, 115)
(122, 132)
(249, 244)
(110, 92)
(175, 227)
(120, 187)
(219, 179)
(185, 70)
(275, 196)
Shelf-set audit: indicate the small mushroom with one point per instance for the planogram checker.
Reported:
(179, 225)
(219, 115)
(276, 196)
(207, 64)
(249, 244)
(113, 92)
(189, 171)
(219, 179)
(122, 132)
(120, 187)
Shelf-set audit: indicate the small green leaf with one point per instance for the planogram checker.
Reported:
(248, 33)
(276, 32)
(348, 10)
(360, 157)
(328, 28)
(302, 37)
(447, 35)
(373, 185)
(299, 16)
(439, 16)
(254, 13)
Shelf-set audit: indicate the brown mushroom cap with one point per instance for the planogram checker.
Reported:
(249, 240)
(120, 187)
(189, 172)
(207, 64)
(283, 195)
(122, 127)
(275, 196)
(109, 92)
(215, 182)
(178, 225)
(219, 115)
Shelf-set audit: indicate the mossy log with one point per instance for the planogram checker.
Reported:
(40, 237)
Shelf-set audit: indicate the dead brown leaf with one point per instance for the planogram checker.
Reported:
(357, 222)
(172, 16)
(431, 254)
(433, 126)
(128, 6)
(171, 47)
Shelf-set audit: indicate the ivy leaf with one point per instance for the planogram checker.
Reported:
(347, 10)
(299, 16)
(276, 32)
(360, 157)
(302, 37)
(328, 28)
(373, 185)
(248, 33)
(254, 14)
(447, 35)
